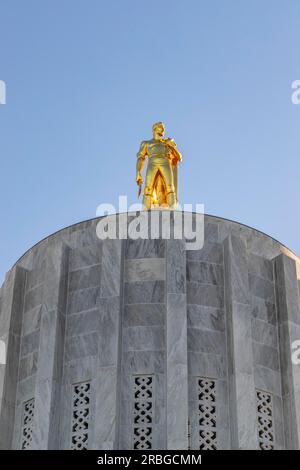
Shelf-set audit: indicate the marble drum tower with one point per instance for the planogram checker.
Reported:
(143, 344)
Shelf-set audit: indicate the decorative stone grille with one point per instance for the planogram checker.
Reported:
(81, 415)
(207, 414)
(142, 412)
(265, 420)
(27, 424)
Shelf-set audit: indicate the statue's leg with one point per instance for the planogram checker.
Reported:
(160, 190)
(148, 190)
(170, 188)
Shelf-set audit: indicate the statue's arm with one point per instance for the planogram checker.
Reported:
(142, 153)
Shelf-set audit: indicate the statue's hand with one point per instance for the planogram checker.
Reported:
(139, 179)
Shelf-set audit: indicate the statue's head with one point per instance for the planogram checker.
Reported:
(158, 130)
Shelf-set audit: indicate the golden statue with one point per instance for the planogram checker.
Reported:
(161, 177)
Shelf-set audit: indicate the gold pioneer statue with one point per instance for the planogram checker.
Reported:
(161, 177)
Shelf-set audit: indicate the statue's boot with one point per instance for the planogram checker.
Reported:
(171, 199)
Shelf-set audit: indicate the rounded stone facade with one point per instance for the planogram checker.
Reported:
(143, 344)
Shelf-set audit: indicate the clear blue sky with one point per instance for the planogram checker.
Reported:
(86, 80)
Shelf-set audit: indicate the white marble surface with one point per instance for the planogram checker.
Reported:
(104, 311)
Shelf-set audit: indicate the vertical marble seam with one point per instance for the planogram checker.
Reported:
(120, 346)
(229, 343)
(279, 354)
(225, 315)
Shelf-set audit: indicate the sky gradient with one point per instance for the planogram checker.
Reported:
(85, 81)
